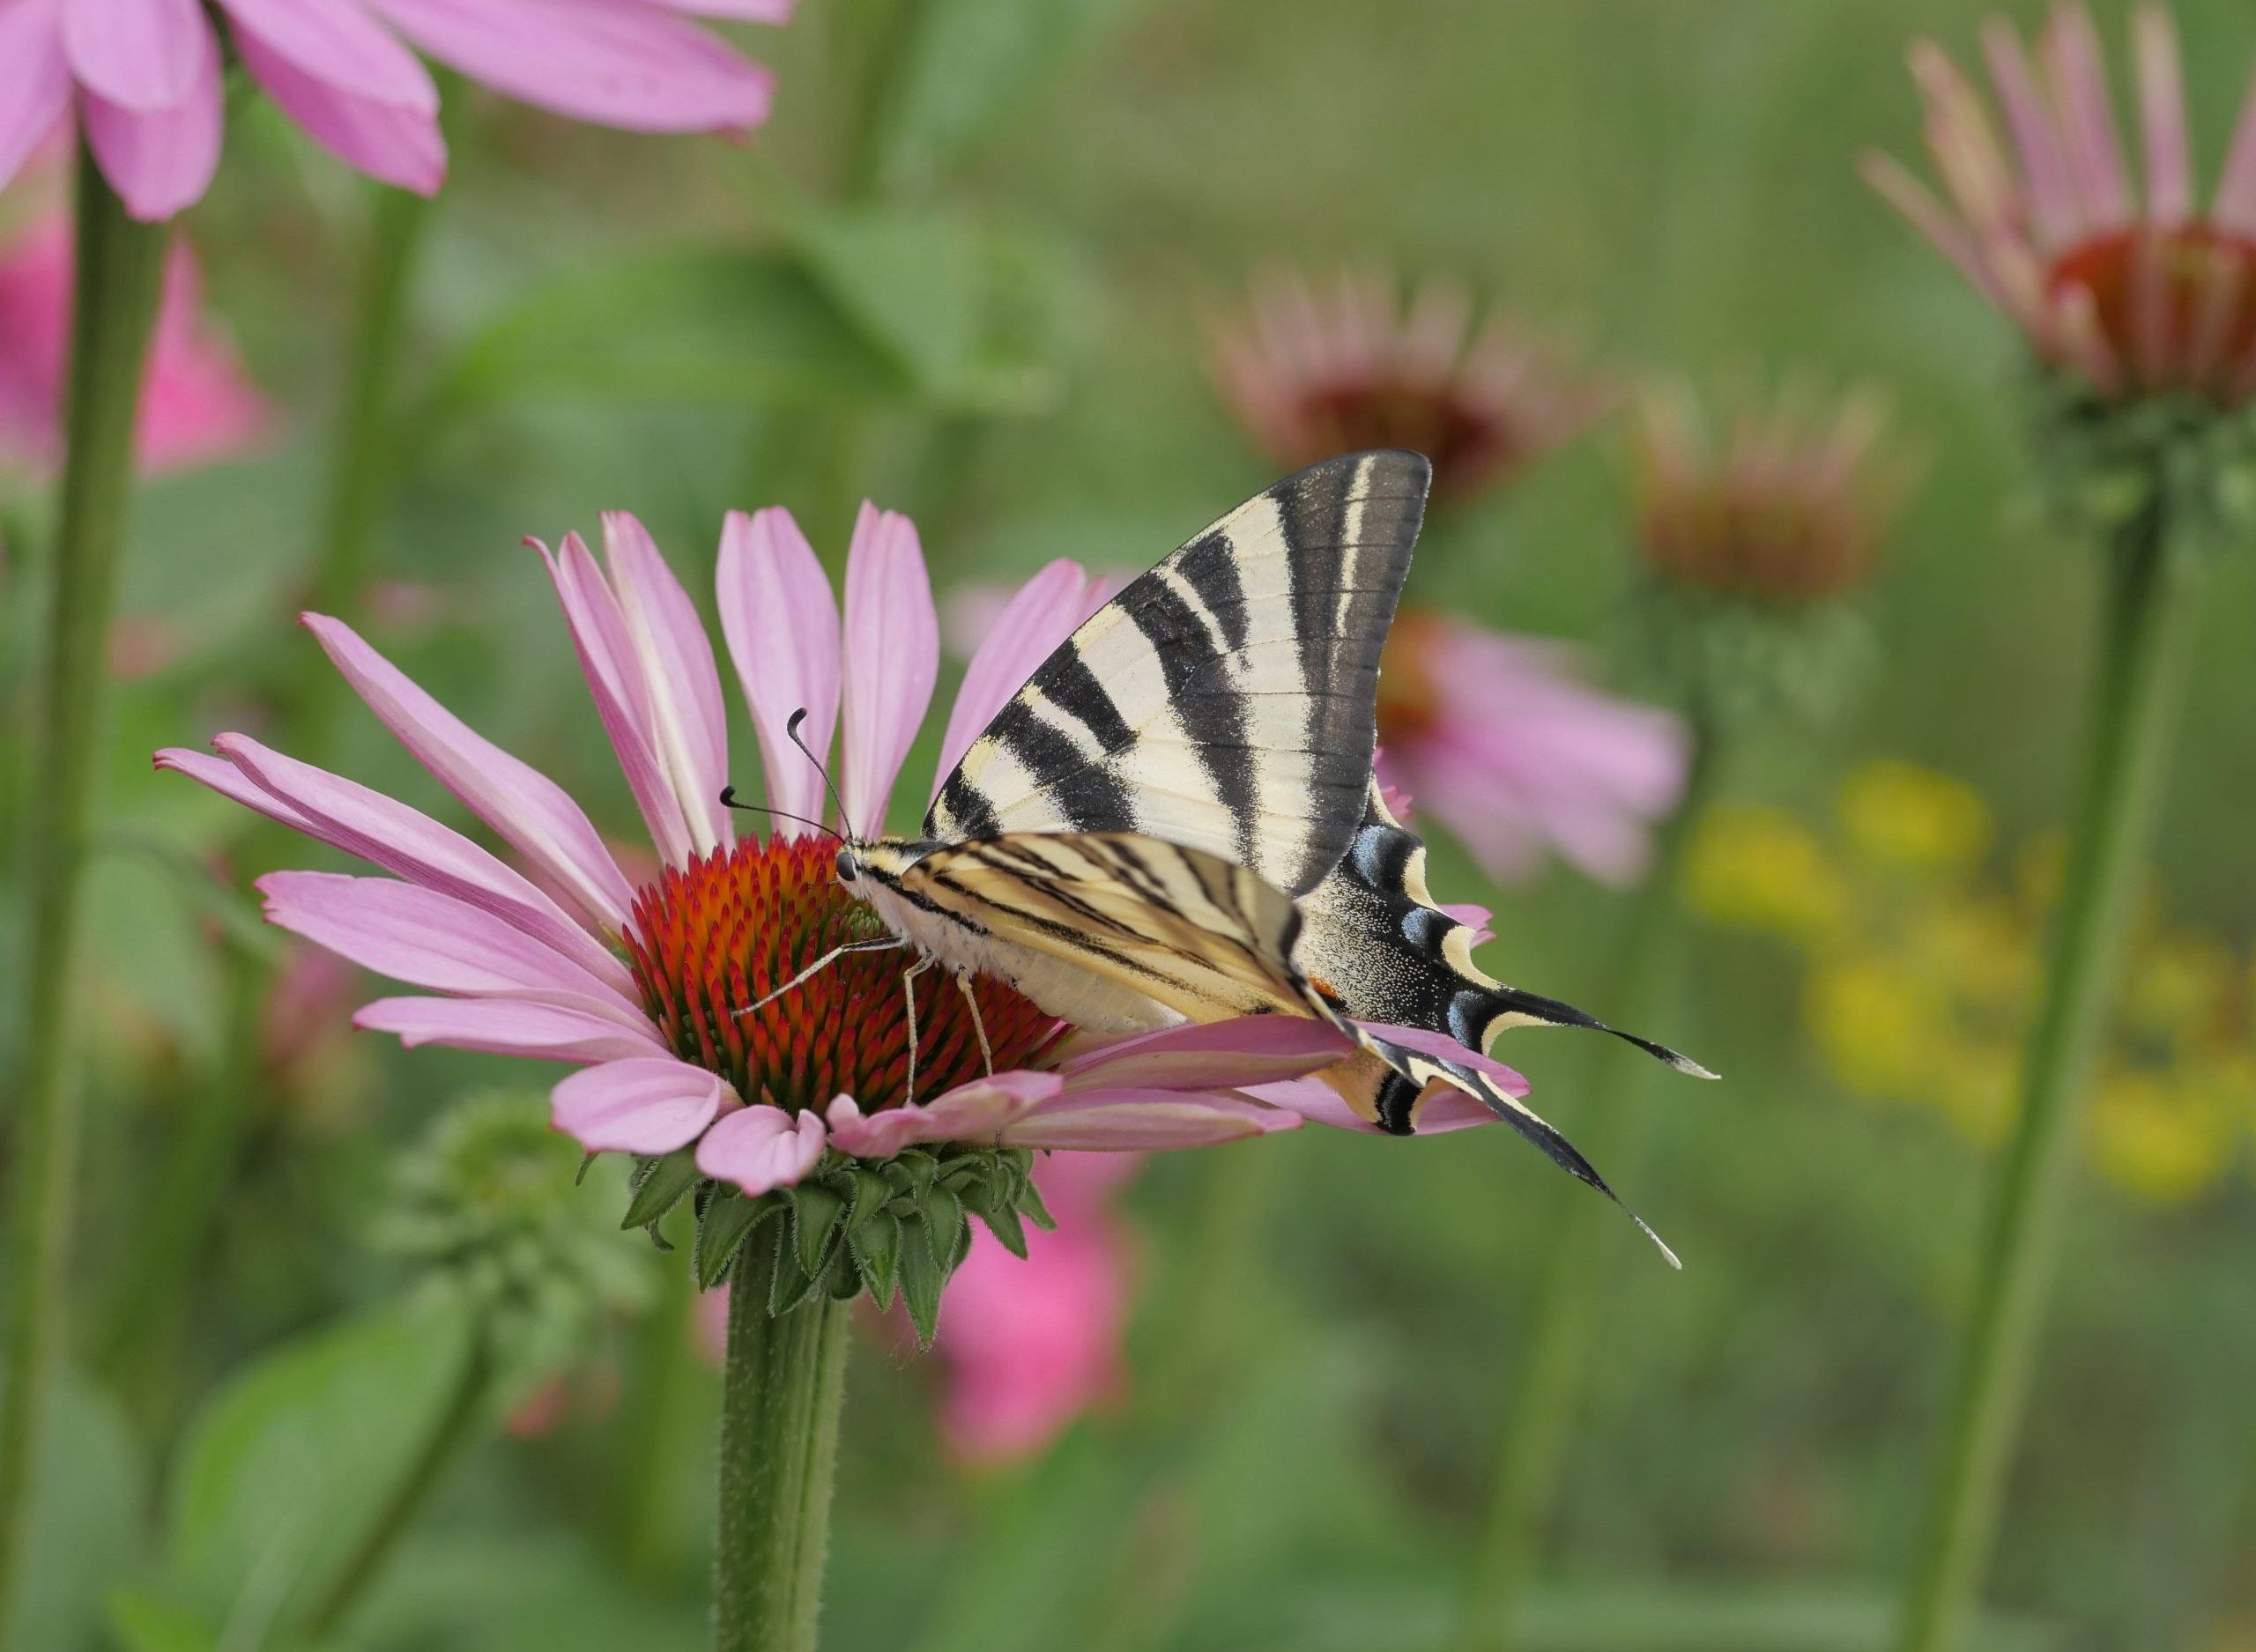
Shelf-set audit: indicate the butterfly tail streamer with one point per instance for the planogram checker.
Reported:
(1416, 1070)
(1535, 1007)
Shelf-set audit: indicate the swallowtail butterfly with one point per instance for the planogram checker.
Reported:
(1176, 818)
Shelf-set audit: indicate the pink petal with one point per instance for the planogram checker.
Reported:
(1930, 219)
(231, 783)
(497, 1027)
(2052, 197)
(1442, 1046)
(530, 811)
(618, 63)
(2235, 207)
(892, 658)
(1448, 1109)
(1047, 610)
(34, 79)
(412, 845)
(436, 942)
(196, 405)
(1143, 1121)
(339, 44)
(142, 55)
(760, 1148)
(977, 1111)
(622, 701)
(689, 728)
(642, 1104)
(1211, 1055)
(2162, 117)
(398, 143)
(2070, 49)
(161, 161)
(774, 12)
(782, 625)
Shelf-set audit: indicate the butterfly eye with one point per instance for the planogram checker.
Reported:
(846, 868)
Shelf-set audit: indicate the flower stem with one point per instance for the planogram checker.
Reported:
(1539, 1418)
(120, 274)
(782, 1386)
(2134, 706)
(454, 1427)
(361, 462)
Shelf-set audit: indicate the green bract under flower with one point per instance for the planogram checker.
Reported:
(899, 1226)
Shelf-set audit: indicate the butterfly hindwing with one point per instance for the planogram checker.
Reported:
(1134, 916)
(1225, 700)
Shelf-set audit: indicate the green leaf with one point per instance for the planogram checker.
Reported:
(815, 1210)
(83, 1526)
(658, 1185)
(912, 1173)
(951, 1231)
(968, 66)
(982, 318)
(144, 1623)
(921, 1279)
(727, 324)
(289, 1465)
(721, 1231)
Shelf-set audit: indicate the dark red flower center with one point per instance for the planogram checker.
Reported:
(1409, 701)
(715, 937)
(1467, 442)
(2204, 325)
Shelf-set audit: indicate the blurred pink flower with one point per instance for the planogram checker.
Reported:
(1030, 1345)
(144, 76)
(1312, 371)
(196, 403)
(643, 988)
(2132, 295)
(1788, 506)
(1498, 738)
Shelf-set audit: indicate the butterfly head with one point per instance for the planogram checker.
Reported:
(877, 861)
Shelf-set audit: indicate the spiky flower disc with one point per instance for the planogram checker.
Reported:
(715, 937)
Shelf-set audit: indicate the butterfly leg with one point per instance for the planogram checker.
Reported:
(909, 997)
(891, 943)
(978, 1025)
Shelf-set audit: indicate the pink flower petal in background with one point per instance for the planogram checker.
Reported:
(892, 658)
(397, 142)
(1031, 1345)
(196, 406)
(641, 1105)
(782, 625)
(148, 75)
(761, 1148)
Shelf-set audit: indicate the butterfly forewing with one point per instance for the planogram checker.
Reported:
(1224, 701)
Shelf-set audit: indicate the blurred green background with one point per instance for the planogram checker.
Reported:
(1002, 335)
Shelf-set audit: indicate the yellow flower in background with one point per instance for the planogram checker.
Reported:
(1899, 814)
(2168, 1141)
(1755, 867)
(1922, 960)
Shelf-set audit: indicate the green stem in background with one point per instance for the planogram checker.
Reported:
(2135, 705)
(366, 439)
(1540, 1419)
(120, 273)
(782, 1386)
(138, 1342)
(454, 1427)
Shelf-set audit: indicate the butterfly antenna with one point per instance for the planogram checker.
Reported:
(792, 733)
(729, 801)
